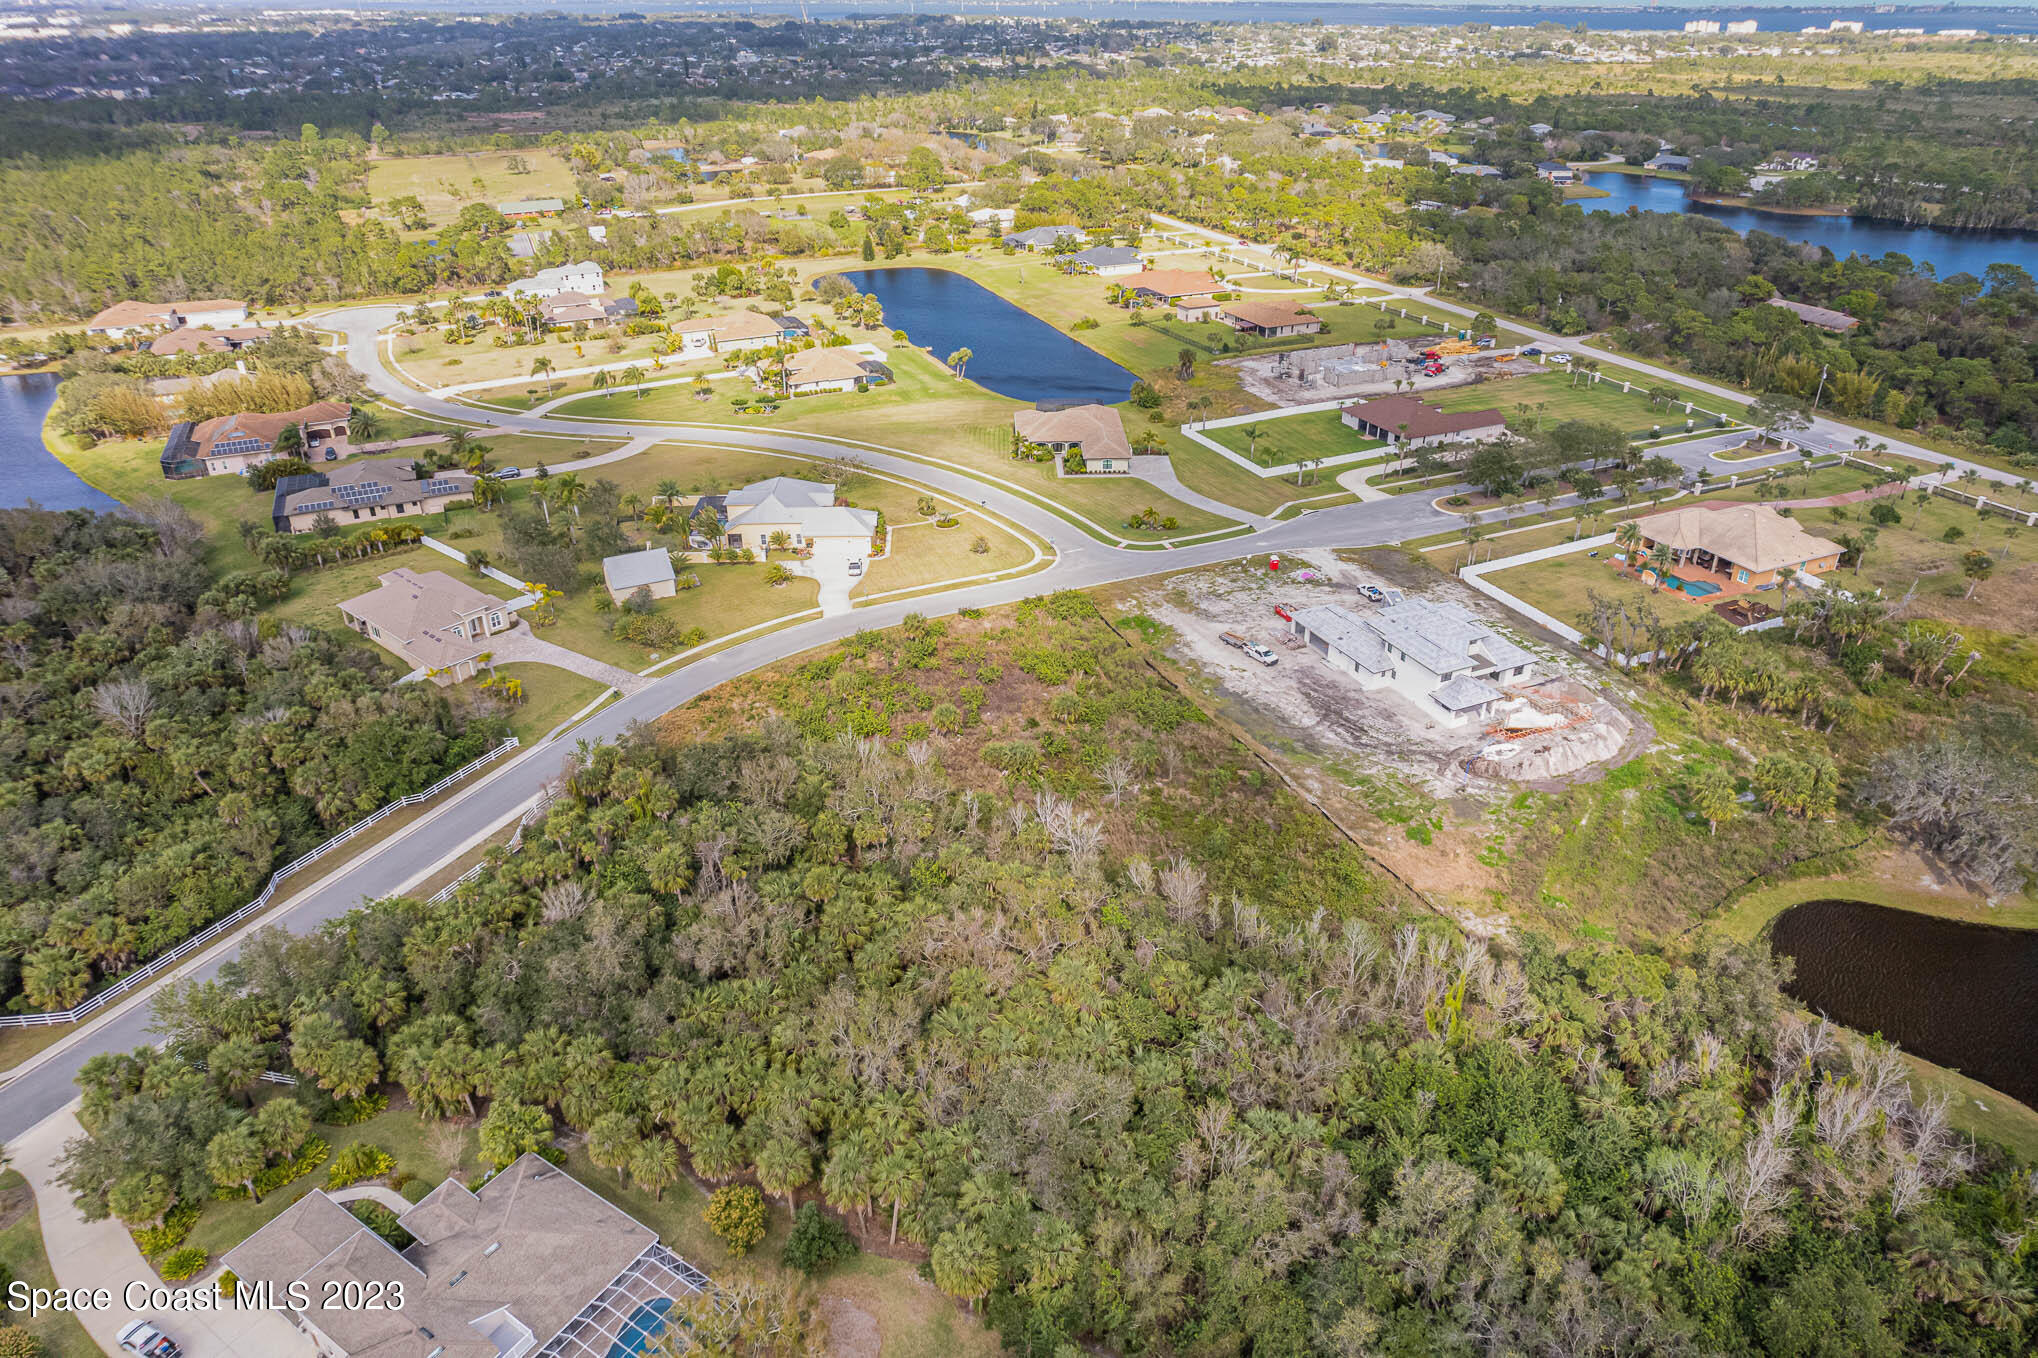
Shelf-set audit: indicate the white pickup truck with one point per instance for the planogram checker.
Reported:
(1251, 648)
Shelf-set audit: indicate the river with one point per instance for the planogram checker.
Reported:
(1948, 252)
(28, 470)
(1963, 995)
(1015, 353)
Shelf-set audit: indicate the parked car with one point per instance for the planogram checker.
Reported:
(1485, 341)
(1286, 612)
(855, 567)
(508, 473)
(1560, 358)
(1531, 352)
(148, 1341)
(1373, 593)
(1261, 653)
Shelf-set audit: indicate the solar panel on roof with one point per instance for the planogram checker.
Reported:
(239, 445)
(439, 486)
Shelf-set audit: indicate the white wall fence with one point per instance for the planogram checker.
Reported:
(198, 942)
(516, 844)
(1981, 504)
(1193, 432)
(500, 577)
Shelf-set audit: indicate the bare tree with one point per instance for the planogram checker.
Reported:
(1118, 776)
(127, 702)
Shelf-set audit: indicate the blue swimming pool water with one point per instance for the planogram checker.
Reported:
(646, 1323)
(1697, 589)
(1015, 353)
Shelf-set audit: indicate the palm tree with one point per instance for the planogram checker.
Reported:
(668, 491)
(542, 367)
(570, 490)
(959, 360)
(488, 492)
(362, 426)
(600, 380)
(633, 502)
(456, 444)
(634, 376)
(1252, 441)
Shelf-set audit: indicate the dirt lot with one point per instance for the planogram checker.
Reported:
(1302, 700)
(1340, 370)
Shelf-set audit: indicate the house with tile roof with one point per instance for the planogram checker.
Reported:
(732, 331)
(234, 443)
(811, 372)
(585, 276)
(1046, 237)
(1446, 661)
(436, 625)
(806, 512)
(1095, 431)
(532, 1263)
(1738, 547)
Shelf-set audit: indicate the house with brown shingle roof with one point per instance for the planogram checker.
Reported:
(432, 622)
(735, 330)
(1409, 423)
(362, 489)
(533, 1262)
(1269, 319)
(1095, 431)
(196, 340)
(1169, 285)
(1736, 546)
(126, 318)
(234, 443)
(812, 371)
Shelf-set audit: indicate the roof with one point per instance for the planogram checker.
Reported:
(1817, 315)
(632, 570)
(1411, 418)
(1348, 634)
(1268, 315)
(1172, 283)
(518, 205)
(808, 505)
(252, 431)
(1106, 256)
(824, 365)
(1444, 638)
(733, 325)
(198, 304)
(363, 481)
(1097, 428)
(128, 315)
(197, 339)
(418, 611)
(1464, 692)
(524, 1256)
(1752, 536)
(1046, 235)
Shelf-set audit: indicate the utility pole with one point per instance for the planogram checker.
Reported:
(1822, 387)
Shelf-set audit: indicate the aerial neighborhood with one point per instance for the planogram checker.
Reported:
(978, 682)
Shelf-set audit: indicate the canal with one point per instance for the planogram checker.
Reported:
(28, 470)
(1948, 252)
(1962, 995)
(1014, 352)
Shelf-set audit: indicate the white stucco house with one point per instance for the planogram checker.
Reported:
(585, 276)
(1442, 658)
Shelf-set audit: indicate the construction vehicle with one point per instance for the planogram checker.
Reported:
(1433, 370)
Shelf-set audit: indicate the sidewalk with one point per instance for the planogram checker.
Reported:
(92, 1254)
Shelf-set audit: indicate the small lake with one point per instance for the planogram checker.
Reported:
(1016, 353)
(1962, 995)
(1948, 252)
(28, 470)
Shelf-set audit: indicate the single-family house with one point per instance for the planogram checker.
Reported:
(531, 1263)
(650, 569)
(1790, 160)
(1667, 161)
(1825, 317)
(1107, 261)
(430, 621)
(197, 340)
(1270, 319)
(129, 318)
(217, 312)
(577, 308)
(1169, 285)
(1095, 431)
(1312, 128)
(1540, 129)
(532, 207)
(732, 332)
(1442, 158)
(1430, 115)
(1441, 657)
(811, 372)
(234, 443)
(1409, 423)
(583, 277)
(804, 511)
(1480, 171)
(993, 216)
(364, 488)
(1556, 171)
(1737, 547)
(1046, 237)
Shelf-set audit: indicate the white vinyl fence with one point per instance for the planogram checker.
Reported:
(199, 941)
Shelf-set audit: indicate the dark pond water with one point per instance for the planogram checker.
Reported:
(1016, 354)
(1948, 252)
(1963, 995)
(27, 469)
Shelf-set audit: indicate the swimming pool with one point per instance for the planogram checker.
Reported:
(646, 1323)
(1697, 589)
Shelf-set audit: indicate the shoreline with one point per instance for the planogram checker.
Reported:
(1770, 209)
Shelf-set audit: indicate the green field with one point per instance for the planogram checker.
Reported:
(1560, 586)
(1556, 396)
(925, 555)
(445, 183)
(1292, 438)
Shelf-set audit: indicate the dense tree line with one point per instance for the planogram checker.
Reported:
(1115, 1099)
(161, 750)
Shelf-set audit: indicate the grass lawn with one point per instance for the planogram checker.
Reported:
(427, 360)
(314, 593)
(925, 555)
(1319, 434)
(1342, 324)
(18, 1044)
(445, 183)
(22, 1258)
(1559, 586)
(730, 598)
(551, 695)
(1556, 396)
(1223, 479)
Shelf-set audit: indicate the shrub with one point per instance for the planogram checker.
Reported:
(736, 1215)
(947, 521)
(179, 1265)
(308, 1158)
(353, 1112)
(357, 1161)
(687, 581)
(383, 1222)
(176, 1227)
(818, 1241)
(979, 544)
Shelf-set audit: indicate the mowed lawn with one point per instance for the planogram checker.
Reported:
(1556, 396)
(1561, 587)
(922, 554)
(1276, 442)
(428, 361)
(445, 183)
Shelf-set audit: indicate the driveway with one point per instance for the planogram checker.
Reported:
(93, 1254)
(519, 646)
(829, 565)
